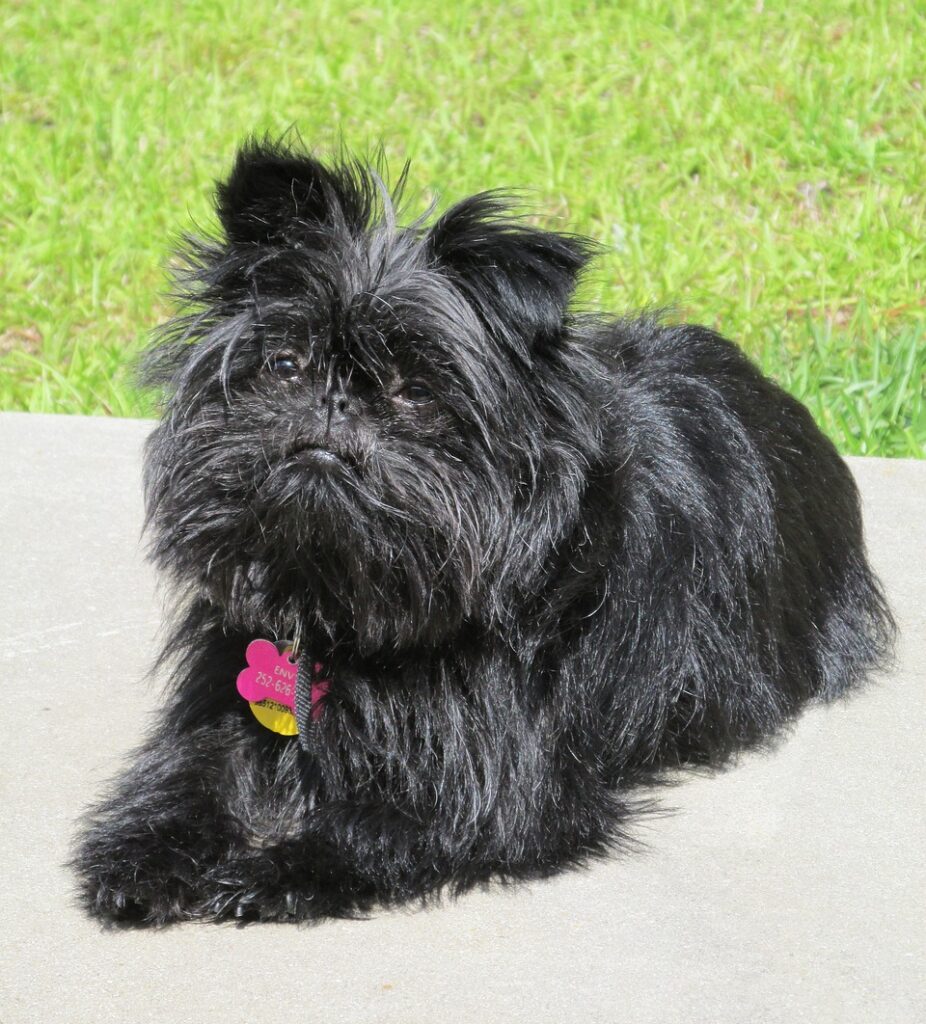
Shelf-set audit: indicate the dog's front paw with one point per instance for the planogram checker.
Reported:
(285, 883)
(140, 876)
(257, 886)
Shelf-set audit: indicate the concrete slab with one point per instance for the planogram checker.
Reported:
(790, 889)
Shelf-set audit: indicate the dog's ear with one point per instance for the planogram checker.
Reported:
(275, 191)
(517, 277)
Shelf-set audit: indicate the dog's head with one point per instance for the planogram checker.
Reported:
(385, 430)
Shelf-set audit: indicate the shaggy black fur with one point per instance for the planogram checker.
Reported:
(541, 555)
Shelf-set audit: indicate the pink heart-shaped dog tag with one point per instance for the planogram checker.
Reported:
(269, 675)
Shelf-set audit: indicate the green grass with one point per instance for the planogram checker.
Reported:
(760, 168)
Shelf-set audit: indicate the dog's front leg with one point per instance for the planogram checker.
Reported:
(143, 853)
(215, 823)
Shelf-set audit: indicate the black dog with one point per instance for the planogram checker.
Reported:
(527, 558)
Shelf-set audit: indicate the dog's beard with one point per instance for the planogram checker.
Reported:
(393, 544)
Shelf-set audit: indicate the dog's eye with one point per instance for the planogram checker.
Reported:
(415, 394)
(284, 366)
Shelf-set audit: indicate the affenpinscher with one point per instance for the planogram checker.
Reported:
(458, 567)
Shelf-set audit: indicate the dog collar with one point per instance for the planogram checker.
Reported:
(284, 695)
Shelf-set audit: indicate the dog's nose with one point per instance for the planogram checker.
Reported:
(336, 405)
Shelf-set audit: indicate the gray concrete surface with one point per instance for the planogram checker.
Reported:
(788, 889)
